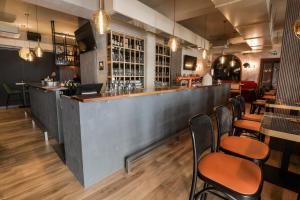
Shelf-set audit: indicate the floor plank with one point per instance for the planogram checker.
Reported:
(30, 169)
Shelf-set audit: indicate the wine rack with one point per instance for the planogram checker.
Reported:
(125, 58)
(162, 69)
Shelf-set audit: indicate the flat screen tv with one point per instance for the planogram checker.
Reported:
(190, 62)
(85, 38)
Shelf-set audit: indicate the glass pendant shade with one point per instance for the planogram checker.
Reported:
(30, 56)
(23, 52)
(101, 19)
(38, 51)
(173, 44)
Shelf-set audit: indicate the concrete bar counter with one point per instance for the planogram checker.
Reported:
(45, 109)
(101, 130)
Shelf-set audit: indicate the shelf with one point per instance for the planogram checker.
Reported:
(130, 55)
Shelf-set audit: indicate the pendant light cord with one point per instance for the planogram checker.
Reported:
(27, 15)
(174, 17)
(36, 18)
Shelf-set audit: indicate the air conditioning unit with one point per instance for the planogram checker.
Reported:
(9, 31)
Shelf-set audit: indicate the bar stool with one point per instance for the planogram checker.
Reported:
(234, 177)
(240, 125)
(243, 147)
(245, 116)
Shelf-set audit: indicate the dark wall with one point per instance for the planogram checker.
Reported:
(14, 69)
(289, 72)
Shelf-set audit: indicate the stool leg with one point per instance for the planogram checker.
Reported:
(204, 195)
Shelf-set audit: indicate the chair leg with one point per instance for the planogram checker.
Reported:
(7, 101)
(204, 195)
(259, 109)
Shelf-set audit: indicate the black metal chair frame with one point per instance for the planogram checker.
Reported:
(210, 186)
(237, 115)
(223, 129)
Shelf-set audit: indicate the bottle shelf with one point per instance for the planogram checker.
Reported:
(162, 67)
(125, 58)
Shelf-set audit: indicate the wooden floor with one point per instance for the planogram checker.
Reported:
(30, 169)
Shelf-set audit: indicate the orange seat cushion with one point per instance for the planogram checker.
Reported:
(260, 102)
(239, 175)
(247, 125)
(245, 146)
(252, 117)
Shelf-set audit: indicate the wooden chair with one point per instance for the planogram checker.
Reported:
(236, 178)
(11, 92)
(243, 147)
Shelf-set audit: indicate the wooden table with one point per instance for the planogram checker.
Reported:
(286, 127)
(284, 106)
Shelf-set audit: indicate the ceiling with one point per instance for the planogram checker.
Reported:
(200, 16)
(247, 22)
(17, 9)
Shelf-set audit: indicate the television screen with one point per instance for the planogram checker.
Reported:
(85, 38)
(190, 62)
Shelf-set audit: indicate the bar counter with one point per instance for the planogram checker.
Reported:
(138, 92)
(45, 109)
(100, 131)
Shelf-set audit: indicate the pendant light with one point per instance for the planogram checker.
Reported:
(232, 62)
(223, 57)
(38, 50)
(173, 42)
(25, 52)
(204, 52)
(30, 56)
(101, 19)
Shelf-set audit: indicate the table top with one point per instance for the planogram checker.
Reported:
(282, 126)
(284, 106)
(269, 97)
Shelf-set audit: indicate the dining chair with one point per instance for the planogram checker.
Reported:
(236, 178)
(241, 125)
(243, 147)
(10, 92)
(246, 116)
(259, 103)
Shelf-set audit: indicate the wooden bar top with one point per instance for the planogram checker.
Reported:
(47, 88)
(138, 92)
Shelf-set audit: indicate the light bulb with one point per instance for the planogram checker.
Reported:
(232, 63)
(30, 56)
(222, 59)
(204, 54)
(101, 21)
(173, 44)
(38, 51)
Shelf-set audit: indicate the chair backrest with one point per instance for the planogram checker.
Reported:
(6, 88)
(202, 134)
(202, 138)
(236, 108)
(242, 103)
(224, 122)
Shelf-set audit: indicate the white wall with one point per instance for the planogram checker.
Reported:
(252, 74)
